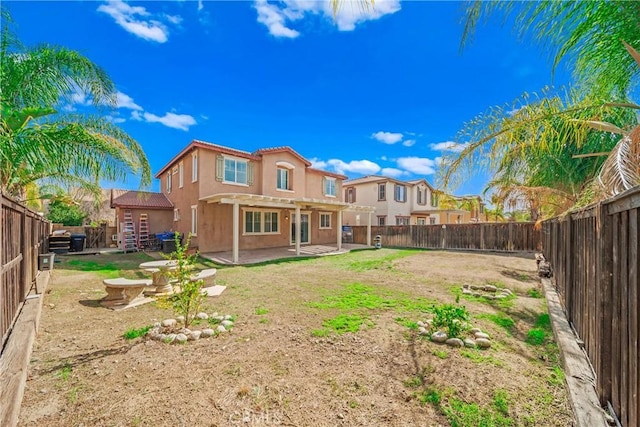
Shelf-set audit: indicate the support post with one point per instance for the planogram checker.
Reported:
(339, 230)
(236, 231)
(298, 231)
(369, 229)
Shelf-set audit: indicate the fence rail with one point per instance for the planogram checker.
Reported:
(22, 238)
(484, 236)
(594, 254)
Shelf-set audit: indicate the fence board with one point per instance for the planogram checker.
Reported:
(22, 236)
(486, 236)
(594, 255)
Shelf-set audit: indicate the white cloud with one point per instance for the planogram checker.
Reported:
(387, 137)
(409, 142)
(115, 119)
(200, 5)
(174, 19)
(364, 167)
(417, 165)
(448, 146)
(172, 120)
(125, 101)
(279, 16)
(137, 21)
(274, 18)
(392, 172)
(317, 163)
(135, 115)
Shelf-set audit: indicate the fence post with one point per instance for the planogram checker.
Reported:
(24, 247)
(1, 251)
(510, 242)
(444, 236)
(567, 287)
(482, 245)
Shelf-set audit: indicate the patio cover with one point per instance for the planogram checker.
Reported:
(257, 200)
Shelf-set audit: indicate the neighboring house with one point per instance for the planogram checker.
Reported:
(405, 202)
(156, 206)
(230, 199)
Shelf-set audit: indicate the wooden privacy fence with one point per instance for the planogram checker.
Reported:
(513, 236)
(22, 238)
(594, 256)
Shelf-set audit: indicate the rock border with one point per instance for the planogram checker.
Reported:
(168, 332)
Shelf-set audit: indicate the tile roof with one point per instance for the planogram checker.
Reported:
(139, 199)
(282, 150)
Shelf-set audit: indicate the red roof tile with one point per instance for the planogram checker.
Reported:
(141, 199)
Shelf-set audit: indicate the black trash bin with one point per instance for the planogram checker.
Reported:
(168, 246)
(77, 242)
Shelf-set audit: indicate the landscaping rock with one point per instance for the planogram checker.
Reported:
(475, 287)
(420, 323)
(202, 316)
(160, 337)
(465, 286)
(467, 292)
(169, 323)
(468, 342)
(228, 317)
(221, 329)
(157, 325)
(439, 337)
(454, 342)
(194, 335)
(483, 343)
(206, 333)
(227, 323)
(181, 339)
(506, 291)
(170, 338)
(501, 296)
(474, 330)
(422, 330)
(180, 319)
(482, 335)
(489, 288)
(476, 294)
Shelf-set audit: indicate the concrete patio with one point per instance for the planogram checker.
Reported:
(253, 256)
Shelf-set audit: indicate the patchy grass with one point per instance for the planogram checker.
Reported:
(541, 333)
(503, 320)
(343, 323)
(407, 323)
(534, 293)
(132, 334)
(65, 372)
(480, 357)
(372, 260)
(260, 311)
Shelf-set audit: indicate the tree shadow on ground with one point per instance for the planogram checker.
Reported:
(83, 358)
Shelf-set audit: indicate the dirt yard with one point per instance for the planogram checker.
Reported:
(288, 360)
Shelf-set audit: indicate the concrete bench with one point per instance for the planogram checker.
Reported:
(209, 273)
(125, 290)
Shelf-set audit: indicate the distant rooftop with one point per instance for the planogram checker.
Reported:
(139, 199)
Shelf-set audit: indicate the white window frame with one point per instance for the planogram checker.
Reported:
(351, 193)
(194, 166)
(330, 184)
(324, 227)
(382, 220)
(263, 213)
(176, 214)
(422, 221)
(169, 181)
(180, 174)
(194, 220)
(403, 220)
(432, 220)
(288, 181)
(236, 161)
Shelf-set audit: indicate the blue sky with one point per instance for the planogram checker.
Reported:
(382, 91)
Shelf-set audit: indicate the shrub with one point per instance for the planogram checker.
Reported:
(451, 318)
(189, 299)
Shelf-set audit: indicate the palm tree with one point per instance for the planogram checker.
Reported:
(588, 32)
(37, 143)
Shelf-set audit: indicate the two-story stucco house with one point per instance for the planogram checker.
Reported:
(230, 200)
(401, 202)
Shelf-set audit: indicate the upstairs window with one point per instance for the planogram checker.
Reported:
(283, 179)
(401, 193)
(434, 199)
(169, 181)
(194, 166)
(231, 170)
(422, 196)
(350, 195)
(329, 186)
(181, 175)
(382, 192)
